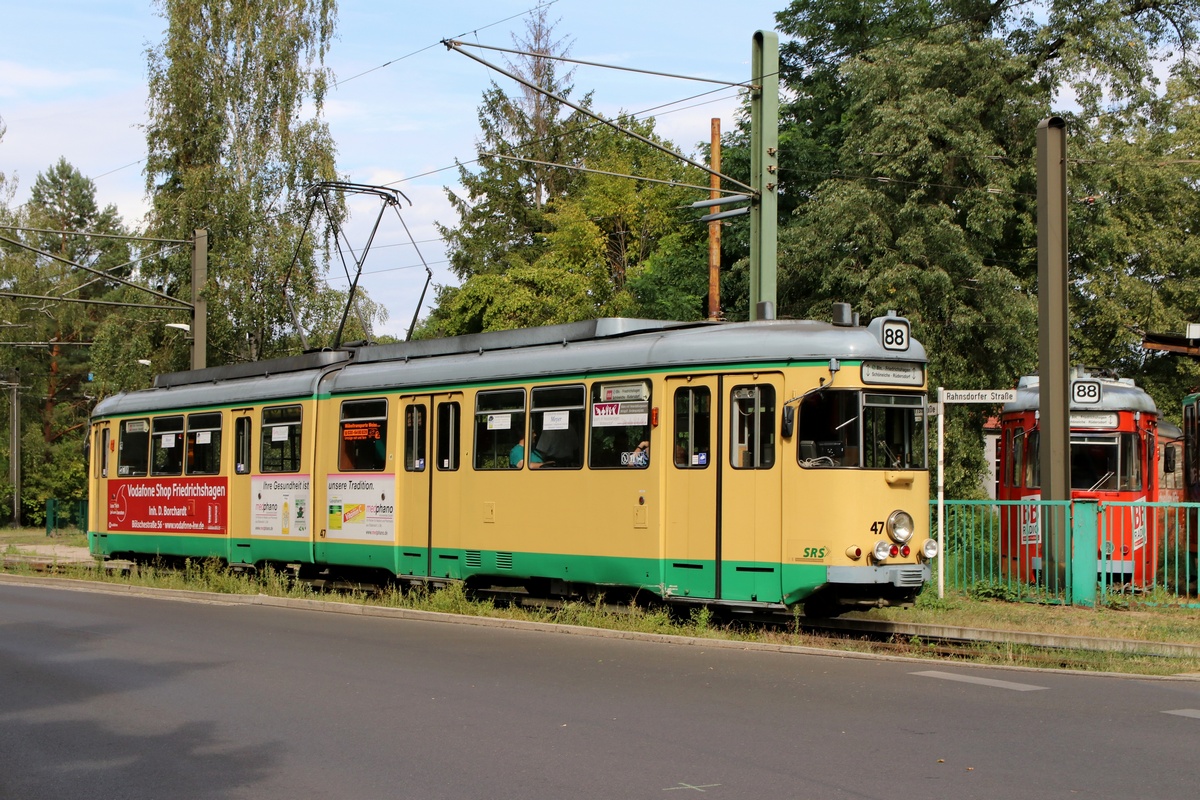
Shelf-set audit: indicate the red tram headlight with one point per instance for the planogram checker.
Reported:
(905, 551)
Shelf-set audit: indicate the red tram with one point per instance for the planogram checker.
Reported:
(1114, 459)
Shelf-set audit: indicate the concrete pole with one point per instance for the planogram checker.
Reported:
(1053, 357)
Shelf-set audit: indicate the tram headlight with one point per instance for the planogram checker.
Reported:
(900, 526)
(882, 550)
(929, 549)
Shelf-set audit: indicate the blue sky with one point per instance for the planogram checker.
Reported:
(72, 84)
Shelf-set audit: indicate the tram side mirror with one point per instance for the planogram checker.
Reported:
(789, 421)
(1168, 458)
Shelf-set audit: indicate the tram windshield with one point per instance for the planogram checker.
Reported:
(1106, 463)
(1098, 463)
(872, 430)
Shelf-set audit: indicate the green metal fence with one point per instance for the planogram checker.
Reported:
(65, 514)
(1080, 552)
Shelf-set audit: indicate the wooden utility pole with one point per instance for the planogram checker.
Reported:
(714, 227)
(199, 304)
(14, 459)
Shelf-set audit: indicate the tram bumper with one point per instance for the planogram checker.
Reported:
(899, 575)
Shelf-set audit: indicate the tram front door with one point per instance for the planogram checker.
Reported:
(723, 488)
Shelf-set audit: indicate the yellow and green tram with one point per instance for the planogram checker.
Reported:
(756, 465)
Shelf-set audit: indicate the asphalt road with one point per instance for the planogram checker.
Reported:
(105, 696)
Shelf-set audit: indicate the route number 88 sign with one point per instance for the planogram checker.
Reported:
(895, 334)
(1085, 393)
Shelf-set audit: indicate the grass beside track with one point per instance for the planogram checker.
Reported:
(1127, 620)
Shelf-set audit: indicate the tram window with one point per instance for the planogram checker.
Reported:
(204, 444)
(414, 438)
(1033, 460)
(281, 439)
(752, 427)
(620, 424)
(693, 427)
(447, 436)
(829, 429)
(101, 451)
(241, 445)
(499, 429)
(556, 425)
(1095, 463)
(363, 436)
(894, 431)
(1191, 444)
(1016, 456)
(166, 446)
(133, 449)
(1130, 474)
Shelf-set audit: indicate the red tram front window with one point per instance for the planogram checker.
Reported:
(1132, 458)
(1107, 463)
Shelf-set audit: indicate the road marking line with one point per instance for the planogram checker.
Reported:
(950, 676)
(700, 788)
(1185, 712)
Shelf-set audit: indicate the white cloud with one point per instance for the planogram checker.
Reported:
(20, 80)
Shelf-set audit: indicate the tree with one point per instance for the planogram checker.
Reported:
(232, 147)
(50, 339)
(612, 246)
(501, 212)
(907, 173)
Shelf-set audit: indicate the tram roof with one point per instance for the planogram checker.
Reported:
(593, 347)
(615, 345)
(1116, 394)
(291, 377)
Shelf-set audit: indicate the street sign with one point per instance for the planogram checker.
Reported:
(990, 396)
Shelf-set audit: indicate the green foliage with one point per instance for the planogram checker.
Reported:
(236, 157)
(502, 212)
(907, 181)
(49, 357)
(538, 245)
(995, 590)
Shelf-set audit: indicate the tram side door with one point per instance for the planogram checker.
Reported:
(413, 492)
(240, 504)
(447, 449)
(751, 486)
(690, 565)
